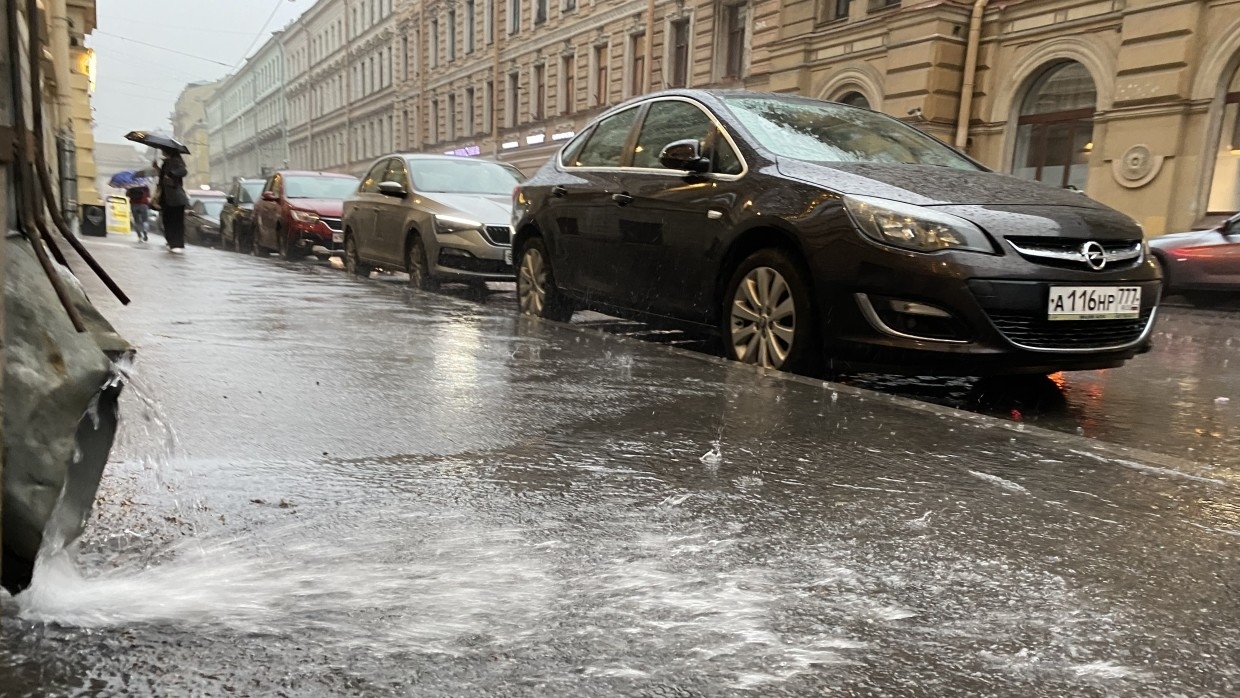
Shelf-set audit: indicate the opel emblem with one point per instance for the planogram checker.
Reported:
(1094, 255)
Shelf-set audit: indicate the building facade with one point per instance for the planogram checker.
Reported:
(189, 125)
(339, 58)
(1133, 102)
(247, 118)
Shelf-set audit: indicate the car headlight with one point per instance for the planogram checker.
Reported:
(915, 227)
(304, 216)
(452, 224)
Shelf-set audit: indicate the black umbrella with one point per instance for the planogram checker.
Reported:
(157, 140)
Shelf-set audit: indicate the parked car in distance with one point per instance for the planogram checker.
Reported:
(806, 233)
(298, 213)
(237, 218)
(438, 217)
(1202, 262)
(202, 217)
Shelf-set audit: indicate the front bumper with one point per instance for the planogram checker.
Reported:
(975, 314)
(319, 238)
(474, 255)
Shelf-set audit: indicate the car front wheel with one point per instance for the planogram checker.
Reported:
(415, 263)
(766, 318)
(537, 293)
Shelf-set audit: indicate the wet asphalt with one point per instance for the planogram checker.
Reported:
(326, 486)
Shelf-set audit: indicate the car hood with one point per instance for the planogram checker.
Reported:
(324, 207)
(490, 209)
(1195, 238)
(928, 185)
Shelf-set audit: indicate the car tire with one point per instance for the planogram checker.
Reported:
(353, 263)
(417, 266)
(537, 293)
(766, 314)
(288, 251)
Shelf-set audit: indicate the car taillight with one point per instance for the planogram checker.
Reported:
(517, 198)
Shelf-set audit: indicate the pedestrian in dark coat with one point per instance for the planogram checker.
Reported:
(172, 199)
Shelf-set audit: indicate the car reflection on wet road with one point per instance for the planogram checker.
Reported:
(335, 487)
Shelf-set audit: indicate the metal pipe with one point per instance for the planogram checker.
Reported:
(59, 31)
(970, 73)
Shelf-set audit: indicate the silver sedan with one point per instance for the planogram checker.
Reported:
(440, 218)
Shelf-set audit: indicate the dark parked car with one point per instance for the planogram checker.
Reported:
(438, 217)
(804, 231)
(1201, 261)
(299, 213)
(237, 218)
(202, 217)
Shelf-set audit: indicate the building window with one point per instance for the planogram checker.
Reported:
(451, 35)
(1055, 130)
(434, 57)
(1225, 184)
(471, 125)
(404, 57)
(679, 58)
(637, 64)
(537, 109)
(514, 16)
(540, 11)
(568, 84)
(835, 9)
(488, 107)
(510, 99)
(879, 5)
(600, 75)
(854, 99)
(434, 130)
(488, 21)
(569, 5)
(451, 130)
(733, 39)
(470, 23)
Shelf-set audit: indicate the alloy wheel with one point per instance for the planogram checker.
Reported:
(532, 283)
(350, 254)
(763, 319)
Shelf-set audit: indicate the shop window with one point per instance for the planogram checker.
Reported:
(1055, 129)
(1225, 185)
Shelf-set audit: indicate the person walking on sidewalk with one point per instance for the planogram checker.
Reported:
(172, 199)
(140, 209)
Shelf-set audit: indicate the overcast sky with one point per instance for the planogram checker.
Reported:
(137, 85)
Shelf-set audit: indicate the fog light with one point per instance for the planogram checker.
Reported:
(911, 319)
(453, 252)
(915, 308)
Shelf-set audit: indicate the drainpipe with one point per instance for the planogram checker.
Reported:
(60, 52)
(970, 73)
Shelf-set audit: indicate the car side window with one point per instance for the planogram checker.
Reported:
(606, 145)
(241, 195)
(669, 121)
(1232, 226)
(198, 207)
(396, 172)
(370, 185)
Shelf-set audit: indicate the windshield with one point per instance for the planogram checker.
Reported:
(319, 187)
(464, 177)
(250, 191)
(826, 132)
(212, 207)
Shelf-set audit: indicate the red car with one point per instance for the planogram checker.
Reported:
(298, 213)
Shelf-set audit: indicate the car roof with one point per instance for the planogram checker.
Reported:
(313, 173)
(435, 156)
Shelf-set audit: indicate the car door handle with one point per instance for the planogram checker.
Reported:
(622, 199)
(558, 192)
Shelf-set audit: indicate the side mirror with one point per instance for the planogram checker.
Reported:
(393, 189)
(684, 155)
(231, 199)
(270, 196)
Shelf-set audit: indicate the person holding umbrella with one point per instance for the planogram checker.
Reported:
(170, 196)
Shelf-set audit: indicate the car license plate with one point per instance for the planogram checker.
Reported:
(337, 237)
(1094, 303)
(508, 257)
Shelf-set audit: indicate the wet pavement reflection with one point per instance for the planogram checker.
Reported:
(326, 486)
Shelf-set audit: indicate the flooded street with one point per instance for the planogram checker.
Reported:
(325, 486)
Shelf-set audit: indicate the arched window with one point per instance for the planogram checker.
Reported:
(854, 99)
(1225, 185)
(1055, 131)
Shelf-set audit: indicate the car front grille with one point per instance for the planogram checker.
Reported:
(1066, 253)
(500, 234)
(333, 223)
(1036, 332)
